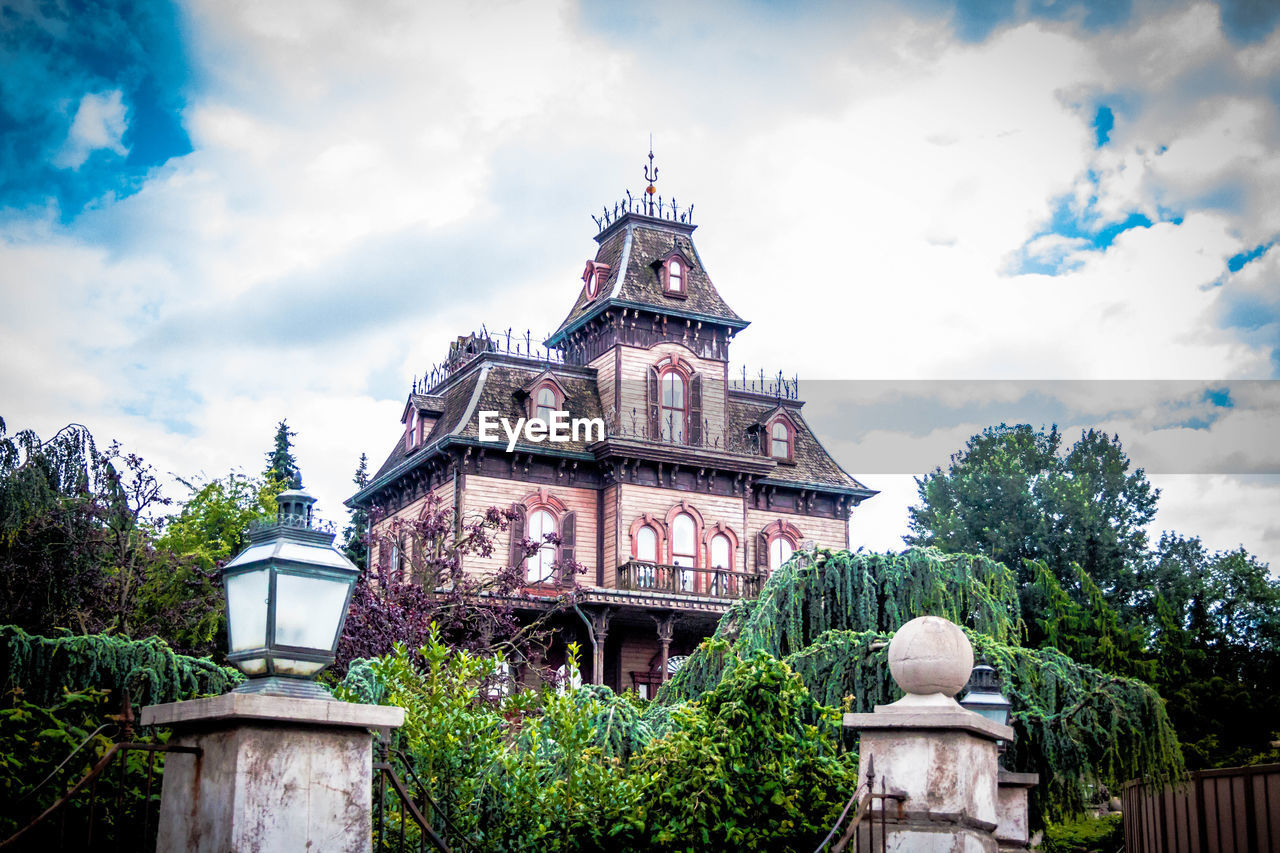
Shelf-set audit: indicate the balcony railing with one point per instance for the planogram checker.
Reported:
(682, 580)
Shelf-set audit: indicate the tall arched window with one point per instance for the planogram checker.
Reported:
(647, 552)
(780, 550)
(539, 566)
(546, 404)
(647, 544)
(684, 548)
(780, 440)
(720, 556)
(673, 407)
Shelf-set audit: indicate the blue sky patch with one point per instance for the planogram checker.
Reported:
(1236, 262)
(1103, 123)
(90, 100)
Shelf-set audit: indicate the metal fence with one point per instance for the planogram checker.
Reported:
(1233, 810)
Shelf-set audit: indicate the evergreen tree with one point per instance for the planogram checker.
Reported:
(1011, 495)
(281, 465)
(355, 536)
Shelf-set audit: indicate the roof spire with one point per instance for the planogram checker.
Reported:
(650, 175)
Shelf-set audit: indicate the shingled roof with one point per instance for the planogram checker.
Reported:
(633, 247)
(812, 464)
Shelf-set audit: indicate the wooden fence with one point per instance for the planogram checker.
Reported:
(1233, 810)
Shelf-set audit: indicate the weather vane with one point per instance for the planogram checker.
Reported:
(650, 175)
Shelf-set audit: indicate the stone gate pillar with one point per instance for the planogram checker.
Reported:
(942, 757)
(274, 773)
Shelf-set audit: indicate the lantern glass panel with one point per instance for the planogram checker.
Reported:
(288, 666)
(247, 610)
(253, 666)
(308, 610)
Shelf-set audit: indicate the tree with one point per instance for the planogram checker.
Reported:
(355, 537)
(1010, 494)
(281, 466)
(75, 531)
(418, 585)
(185, 605)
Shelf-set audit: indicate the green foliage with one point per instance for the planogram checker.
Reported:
(1085, 835)
(827, 616)
(1013, 495)
(742, 769)
(355, 537)
(585, 769)
(44, 668)
(282, 467)
(185, 604)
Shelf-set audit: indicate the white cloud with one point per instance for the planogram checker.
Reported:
(99, 124)
(861, 182)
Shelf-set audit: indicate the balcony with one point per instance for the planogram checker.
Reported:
(639, 576)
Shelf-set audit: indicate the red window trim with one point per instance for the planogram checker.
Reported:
(557, 396)
(658, 527)
(679, 368)
(791, 439)
(721, 529)
(667, 290)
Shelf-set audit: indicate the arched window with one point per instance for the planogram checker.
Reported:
(684, 548)
(780, 440)
(673, 407)
(647, 544)
(539, 567)
(780, 550)
(545, 404)
(675, 276)
(720, 556)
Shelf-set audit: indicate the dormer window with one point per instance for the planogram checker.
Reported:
(594, 277)
(676, 273)
(780, 440)
(545, 403)
(546, 397)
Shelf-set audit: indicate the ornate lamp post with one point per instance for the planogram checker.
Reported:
(287, 597)
(983, 695)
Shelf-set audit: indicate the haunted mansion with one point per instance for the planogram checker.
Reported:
(677, 486)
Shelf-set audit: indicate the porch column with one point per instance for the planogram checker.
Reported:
(666, 624)
(600, 631)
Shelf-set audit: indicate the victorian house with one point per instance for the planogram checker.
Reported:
(700, 486)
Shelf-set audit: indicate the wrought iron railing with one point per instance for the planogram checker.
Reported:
(467, 348)
(641, 576)
(635, 425)
(110, 808)
(864, 822)
(405, 815)
(780, 387)
(646, 204)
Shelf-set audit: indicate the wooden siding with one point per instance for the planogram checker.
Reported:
(657, 502)
(483, 492)
(1211, 811)
(612, 548)
(634, 371)
(636, 652)
(824, 532)
(409, 512)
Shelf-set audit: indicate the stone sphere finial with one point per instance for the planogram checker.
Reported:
(930, 656)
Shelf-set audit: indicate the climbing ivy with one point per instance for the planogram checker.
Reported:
(829, 616)
(44, 668)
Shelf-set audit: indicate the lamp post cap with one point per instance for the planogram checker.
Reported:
(930, 655)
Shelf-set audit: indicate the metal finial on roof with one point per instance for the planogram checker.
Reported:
(650, 175)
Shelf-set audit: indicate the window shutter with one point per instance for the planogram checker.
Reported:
(517, 536)
(568, 544)
(655, 431)
(695, 410)
(762, 552)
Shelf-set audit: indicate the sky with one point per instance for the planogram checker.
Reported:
(940, 215)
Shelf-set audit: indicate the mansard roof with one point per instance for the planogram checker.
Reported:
(634, 246)
(812, 464)
(498, 383)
